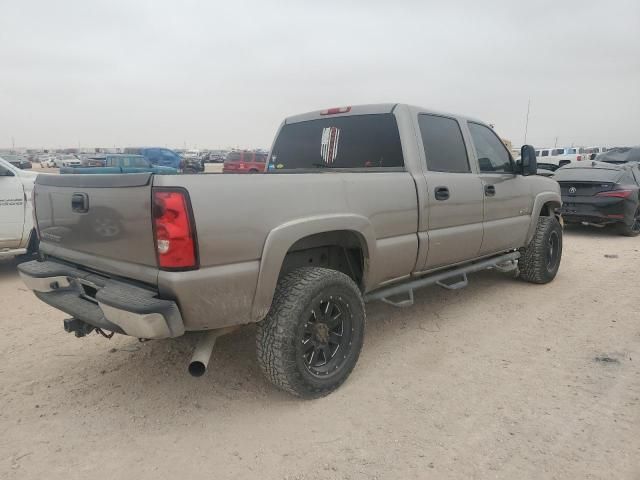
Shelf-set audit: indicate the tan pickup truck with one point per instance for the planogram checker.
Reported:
(357, 204)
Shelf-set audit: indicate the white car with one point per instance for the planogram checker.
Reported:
(16, 219)
(549, 155)
(191, 154)
(561, 155)
(48, 161)
(68, 161)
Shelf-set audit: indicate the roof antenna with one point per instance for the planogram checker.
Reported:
(526, 125)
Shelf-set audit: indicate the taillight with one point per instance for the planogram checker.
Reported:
(579, 157)
(173, 230)
(616, 193)
(333, 111)
(241, 166)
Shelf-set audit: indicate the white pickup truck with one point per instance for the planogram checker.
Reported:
(16, 217)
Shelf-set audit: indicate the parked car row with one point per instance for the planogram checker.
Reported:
(563, 155)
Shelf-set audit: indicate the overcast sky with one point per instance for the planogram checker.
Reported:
(208, 74)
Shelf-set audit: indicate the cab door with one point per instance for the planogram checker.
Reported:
(12, 208)
(508, 202)
(453, 205)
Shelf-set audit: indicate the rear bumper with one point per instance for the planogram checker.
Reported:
(102, 302)
(601, 211)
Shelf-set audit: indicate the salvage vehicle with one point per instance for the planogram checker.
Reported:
(601, 194)
(363, 203)
(620, 155)
(163, 157)
(17, 161)
(17, 236)
(245, 162)
(67, 161)
(121, 163)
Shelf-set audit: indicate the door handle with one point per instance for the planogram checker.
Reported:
(442, 193)
(489, 190)
(80, 203)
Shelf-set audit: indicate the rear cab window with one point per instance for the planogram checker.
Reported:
(358, 142)
(443, 144)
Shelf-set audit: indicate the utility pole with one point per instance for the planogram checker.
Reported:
(13, 144)
(555, 144)
(526, 125)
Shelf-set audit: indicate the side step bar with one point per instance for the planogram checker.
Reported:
(503, 263)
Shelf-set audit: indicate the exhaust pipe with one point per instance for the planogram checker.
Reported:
(204, 348)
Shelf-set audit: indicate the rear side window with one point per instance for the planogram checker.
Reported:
(443, 144)
(359, 141)
(545, 153)
(493, 156)
(560, 151)
(233, 156)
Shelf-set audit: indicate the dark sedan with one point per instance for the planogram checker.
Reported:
(17, 161)
(600, 193)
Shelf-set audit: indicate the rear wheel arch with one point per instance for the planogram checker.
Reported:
(311, 235)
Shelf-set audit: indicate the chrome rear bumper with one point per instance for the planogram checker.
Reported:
(102, 302)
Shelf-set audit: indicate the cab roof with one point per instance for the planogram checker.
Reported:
(367, 109)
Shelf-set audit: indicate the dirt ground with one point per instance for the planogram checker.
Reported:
(499, 380)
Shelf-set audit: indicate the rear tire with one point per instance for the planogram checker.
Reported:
(540, 260)
(632, 230)
(310, 340)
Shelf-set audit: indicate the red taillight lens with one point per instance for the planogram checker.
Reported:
(615, 193)
(333, 111)
(579, 157)
(174, 234)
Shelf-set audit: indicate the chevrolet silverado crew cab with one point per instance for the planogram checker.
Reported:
(358, 204)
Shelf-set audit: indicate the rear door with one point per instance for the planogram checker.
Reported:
(12, 208)
(507, 196)
(453, 206)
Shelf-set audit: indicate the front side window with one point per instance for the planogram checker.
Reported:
(356, 142)
(493, 156)
(443, 144)
(545, 153)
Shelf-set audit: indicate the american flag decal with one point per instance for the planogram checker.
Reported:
(329, 146)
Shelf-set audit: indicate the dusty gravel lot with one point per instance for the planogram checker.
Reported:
(500, 380)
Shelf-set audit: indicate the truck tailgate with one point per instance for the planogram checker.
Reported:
(99, 221)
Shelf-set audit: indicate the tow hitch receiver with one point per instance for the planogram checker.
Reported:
(78, 327)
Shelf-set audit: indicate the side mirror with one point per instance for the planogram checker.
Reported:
(528, 160)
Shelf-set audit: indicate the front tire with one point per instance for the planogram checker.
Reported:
(310, 340)
(540, 260)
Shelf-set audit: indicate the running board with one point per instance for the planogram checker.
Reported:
(507, 262)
